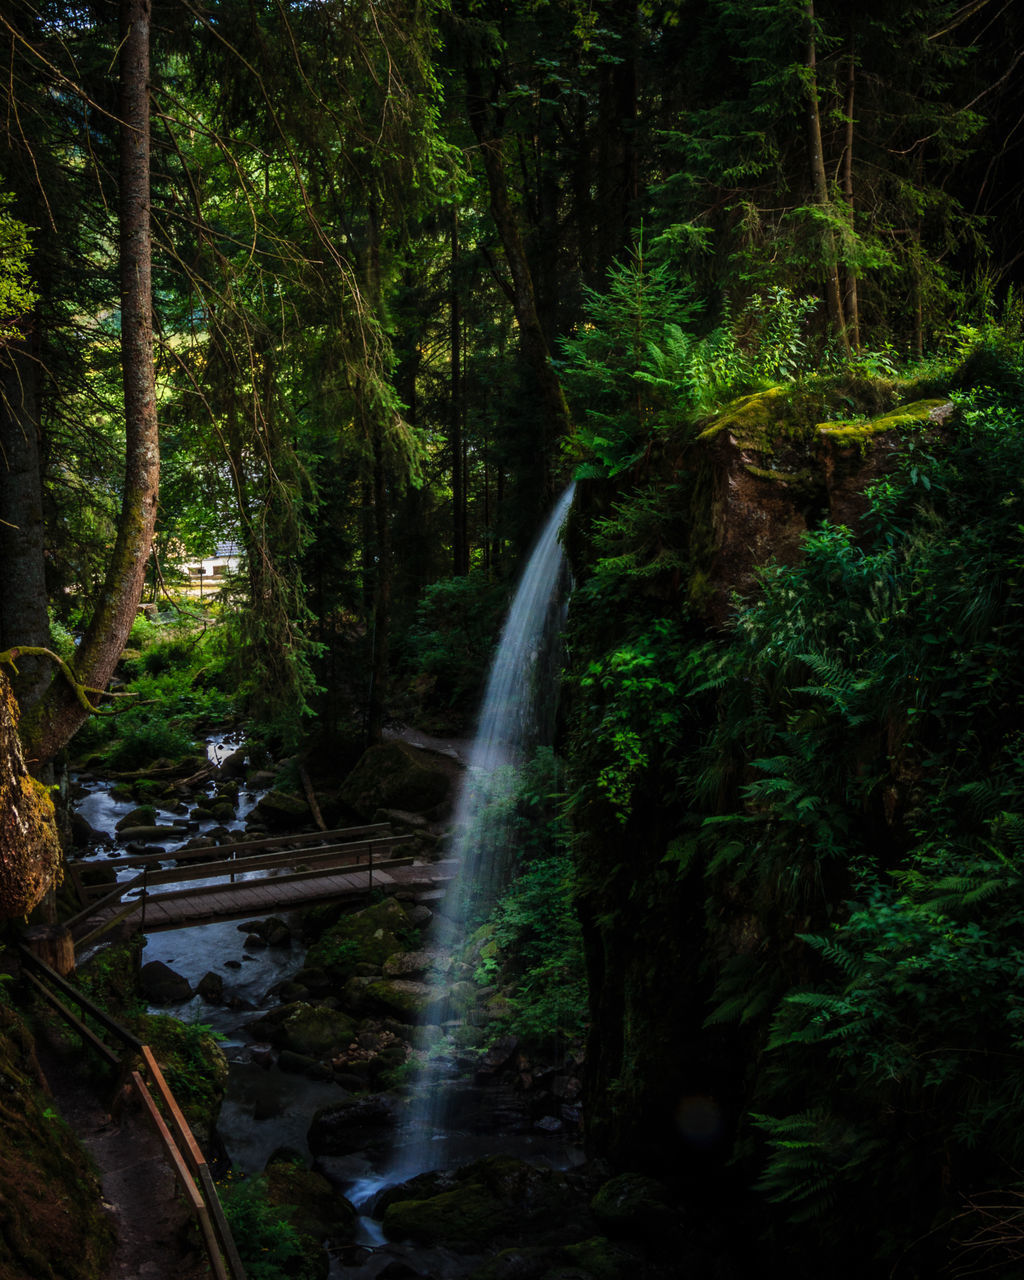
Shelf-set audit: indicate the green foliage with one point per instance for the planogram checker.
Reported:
(446, 650)
(644, 361)
(531, 942)
(17, 296)
(268, 1244)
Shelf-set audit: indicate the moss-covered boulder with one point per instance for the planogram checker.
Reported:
(143, 815)
(282, 811)
(311, 1030)
(317, 1208)
(633, 1204)
(491, 1199)
(369, 936)
(51, 1215)
(394, 775)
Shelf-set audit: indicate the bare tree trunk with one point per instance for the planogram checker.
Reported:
(819, 182)
(58, 715)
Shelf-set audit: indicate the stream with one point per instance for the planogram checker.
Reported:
(265, 1108)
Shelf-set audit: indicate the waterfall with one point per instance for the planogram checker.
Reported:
(516, 715)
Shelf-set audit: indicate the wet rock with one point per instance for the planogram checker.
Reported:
(282, 811)
(261, 778)
(419, 915)
(233, 765)
(211, 988)
(395, 775)
(499, 1055)
(254, 942)
(303, 1064)
(143, 815)
(261, 1054)
(128, 834)
(350, 1126)
(223, 810)
(84, 834)
(161, 985)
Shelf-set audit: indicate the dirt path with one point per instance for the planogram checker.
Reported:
(155, 1236)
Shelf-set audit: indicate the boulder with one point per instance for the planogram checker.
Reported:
(307, 1029)
(369, 936)
(402, 998)
(318, 1210)
(128, 834)
(143, 815)
(349, 1126)
(430, 963)
(633, 1204)
(161, 985)
(394, 775)
(211, 988)
(281, 811)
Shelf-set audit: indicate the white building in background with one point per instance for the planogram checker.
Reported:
(226, 558)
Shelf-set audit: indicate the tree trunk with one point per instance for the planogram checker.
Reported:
(553, 413)
(819, 183)
(58, 715)
(851, 300)
(23, 599)
(460, 545)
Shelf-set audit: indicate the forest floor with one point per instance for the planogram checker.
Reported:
(156, 1239)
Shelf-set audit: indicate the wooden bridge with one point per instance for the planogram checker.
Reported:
(249, 878)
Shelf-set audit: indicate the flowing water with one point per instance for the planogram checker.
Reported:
(516, 715)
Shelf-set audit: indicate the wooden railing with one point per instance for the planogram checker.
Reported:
(178, 1142)
(224, 863)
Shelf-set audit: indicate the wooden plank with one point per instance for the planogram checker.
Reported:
(227, 1240)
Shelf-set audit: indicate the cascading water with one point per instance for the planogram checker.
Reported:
(517, 714)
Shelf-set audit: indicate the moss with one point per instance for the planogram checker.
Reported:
(52, 1225)
(317, 1209)
(902, 418)
(369, 936)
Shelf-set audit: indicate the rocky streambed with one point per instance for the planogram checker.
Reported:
(336, 1022)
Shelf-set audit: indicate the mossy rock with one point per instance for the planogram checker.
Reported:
(282, 811)
(633, 1204)
(394, 775)
(369, 936)
(194, 1064)
(143, 815)
(600, 1258)
(921, 413)
(401, 998)
(307, 1029)
(353, 1125)
(492, 1198)
(529, 1262)
(318, 1210)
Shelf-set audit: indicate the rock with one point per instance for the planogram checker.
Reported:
(419, 915)
(402, 998)
(233, 765)
(430, 963)
(211, 988)
(303, 1064)
(633, 1204)
(494, 1198)
(83, 833)
(128, 834)
(305, 1028)
(318, 1209)
(143, 815)
(282, 811)
(223, 810)
(395, 775)
(350, 1126)
(161, 985)
(369, 936)
(259, 779)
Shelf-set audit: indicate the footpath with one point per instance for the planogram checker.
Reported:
(156, 1237)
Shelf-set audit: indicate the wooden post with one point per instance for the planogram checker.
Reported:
(53, 944)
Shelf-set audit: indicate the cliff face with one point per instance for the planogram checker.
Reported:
(664, 1087)
(30, 854)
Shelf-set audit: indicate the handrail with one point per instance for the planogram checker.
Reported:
(182, 1151)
